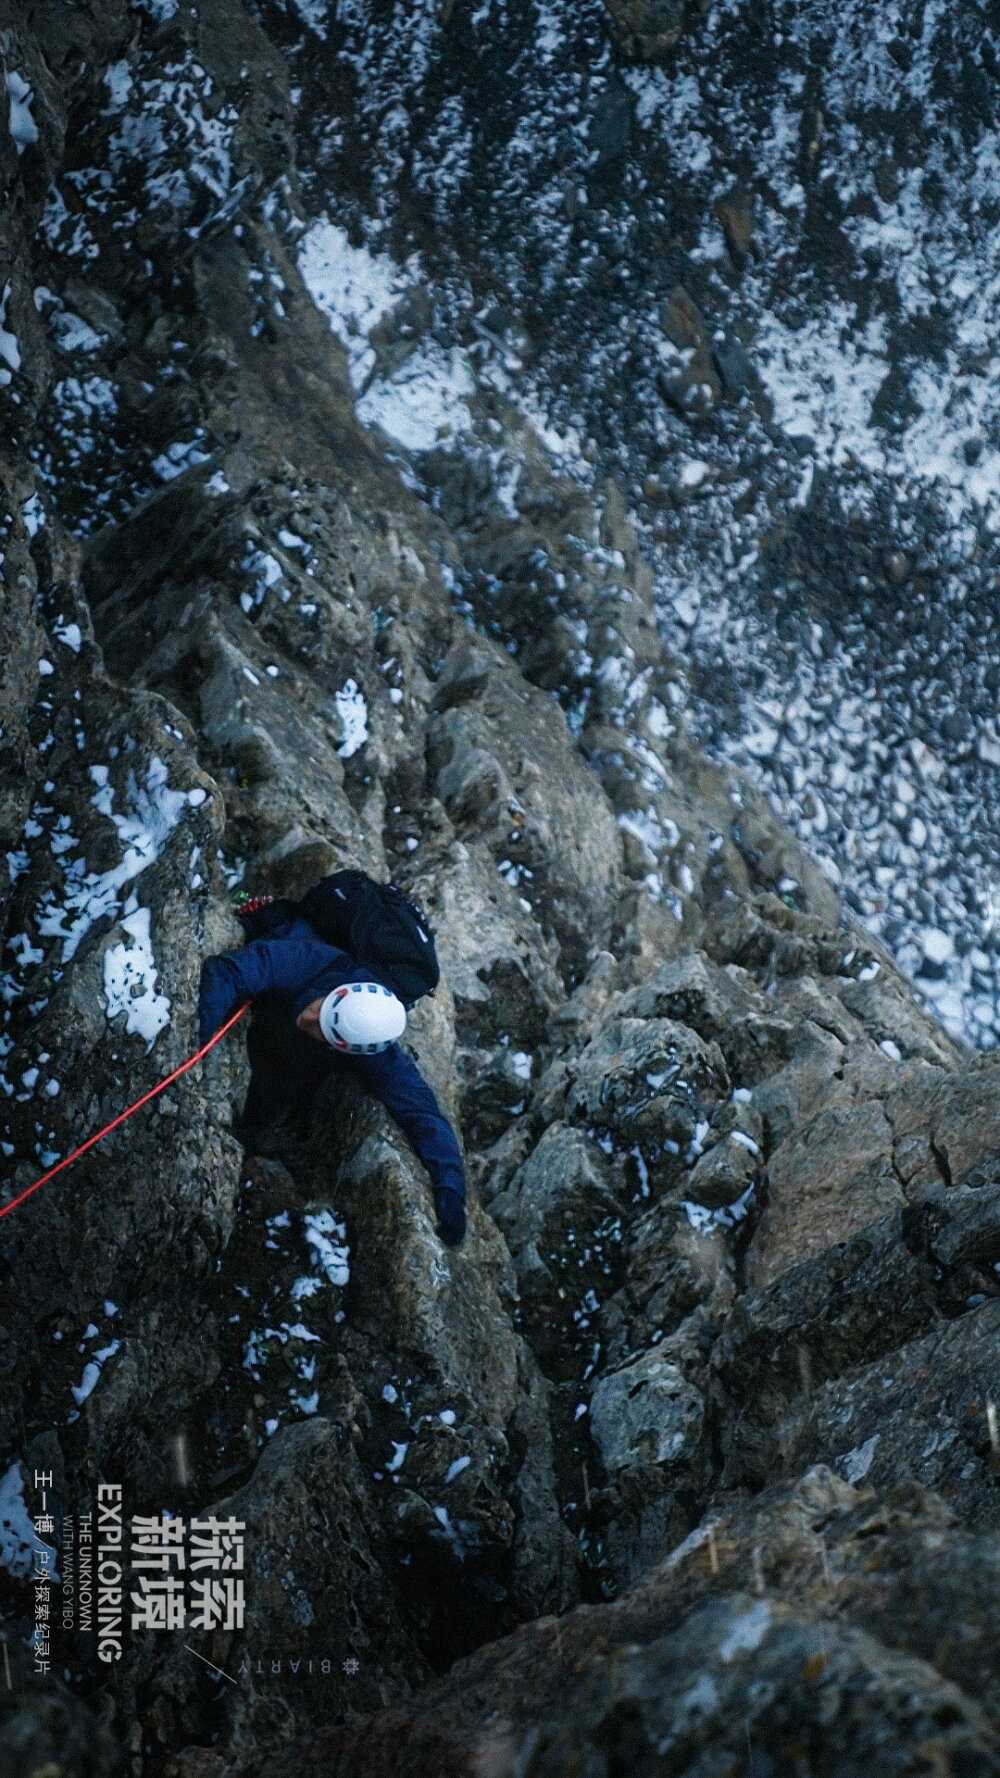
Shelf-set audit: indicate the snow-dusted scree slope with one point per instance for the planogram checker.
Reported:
(809, 427)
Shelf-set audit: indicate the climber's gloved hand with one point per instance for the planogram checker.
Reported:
(450, 1207)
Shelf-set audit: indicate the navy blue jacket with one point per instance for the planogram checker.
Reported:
(292, 962)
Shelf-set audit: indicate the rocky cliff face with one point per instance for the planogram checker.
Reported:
(686, 1460)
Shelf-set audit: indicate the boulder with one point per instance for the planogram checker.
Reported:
(435, 1306)
(824, 1182)
(507, 770)
(646, 1413)
(920, 1412)
(500, 968)
(652, 1083)
(673, 1264)
(697, 993)
(725, 1173)
(826, 1315)
(563, 1185)
(621, 1698)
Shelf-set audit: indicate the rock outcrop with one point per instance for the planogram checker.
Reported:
(687, 1457)
(815, 1625)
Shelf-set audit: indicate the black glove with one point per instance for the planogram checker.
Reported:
(450, 1206)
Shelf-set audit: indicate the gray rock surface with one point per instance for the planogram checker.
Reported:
(689, 1452)
(646, 1413)
(795, 1609)
(645, 28)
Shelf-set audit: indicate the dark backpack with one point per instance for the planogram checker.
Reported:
(377, 925)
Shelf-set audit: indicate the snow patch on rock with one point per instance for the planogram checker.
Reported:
(352, 286)
(425, 403)
(352, 713)
(130, 974)
(23, 127)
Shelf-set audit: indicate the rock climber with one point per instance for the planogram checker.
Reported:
(316, 1011)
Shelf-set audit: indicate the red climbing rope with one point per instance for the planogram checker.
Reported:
(5, 1209)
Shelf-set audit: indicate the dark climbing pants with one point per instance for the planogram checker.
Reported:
(287, 1070)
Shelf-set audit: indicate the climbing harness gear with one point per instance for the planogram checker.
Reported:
(5, 1209)
(244, 904)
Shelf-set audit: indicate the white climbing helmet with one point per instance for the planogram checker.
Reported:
(362, 1018)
